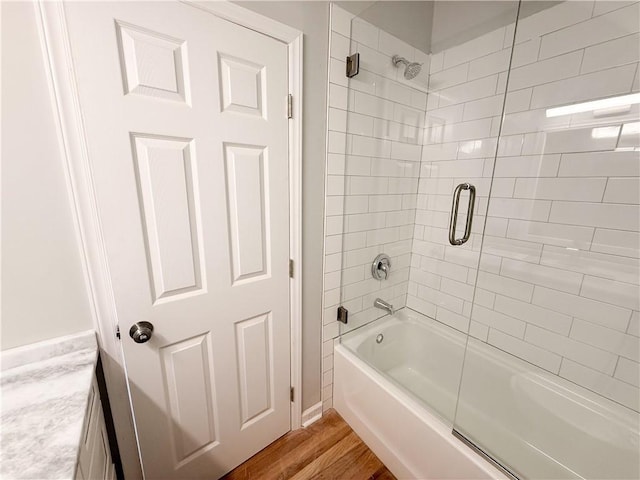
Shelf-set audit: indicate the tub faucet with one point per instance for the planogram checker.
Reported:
(379, 303)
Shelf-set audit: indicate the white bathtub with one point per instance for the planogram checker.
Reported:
(400, 396)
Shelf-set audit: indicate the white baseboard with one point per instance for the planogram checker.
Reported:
(311, 414)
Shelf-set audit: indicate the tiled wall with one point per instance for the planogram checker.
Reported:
(558, 278)
(374, 146)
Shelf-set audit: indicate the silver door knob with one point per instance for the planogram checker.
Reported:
(141, 331)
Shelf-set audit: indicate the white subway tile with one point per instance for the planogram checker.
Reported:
(364, 32)
(457, 289)
(623, 190)
(419, 305)
(605, 314)
(575, 189)
(526, 52)
(618, 293)
(605, 6)
(338, 96)
(337, 142)
(634, 324)
(367, 221)
(545, 71)
(457, 168)
(541, 275)
(510, 248)
(454, 320)
(479, 331)
(337, 76)
(376, 62)
(554, 321)
(339, 46)
(365, 81)
(440, 299)
(390, 45)
(357, 165)
(600, 383)
(473, 90)
(373, 106)
(599, 29)
(498, 321)
(444, 269)
(341, 20)
(577, 351)
(530, 353)
(537, 210)
(612, 267)
(600, 164)
(370, 147)
(605, 83)
(616, 242)
(550, 233)
(337, 120)
(483, 108)
(505, 286)
(356, 204)
(406, 151)
(617, 216)
(359, 124)
(518, 101)
(551, 19)
(479, 46)
(570, 140)
(527, 166)
(490, 64)
(449, 77)
(628, 371)
(606, 338)
(436, 62)
(408, 116)
(611, 54)
(335, 185)
(532, 121)
(334, 225)
(439, 116)
(455, 132)
(510, 145)
(490, 263)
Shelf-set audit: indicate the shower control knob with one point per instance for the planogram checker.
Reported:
(141, 331)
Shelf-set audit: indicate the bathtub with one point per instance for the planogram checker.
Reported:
(399, 395)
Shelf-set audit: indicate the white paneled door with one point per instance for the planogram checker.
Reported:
(187, 133)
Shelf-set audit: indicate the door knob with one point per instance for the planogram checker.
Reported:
(141, 331)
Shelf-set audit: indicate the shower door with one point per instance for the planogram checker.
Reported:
(550, 380)
(403, 135)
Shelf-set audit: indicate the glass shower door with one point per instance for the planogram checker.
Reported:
(420, 118)
(549, 387)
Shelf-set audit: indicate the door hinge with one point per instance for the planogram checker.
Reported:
(289, 106)
(118, 331)
(290, 268)
(291, 394)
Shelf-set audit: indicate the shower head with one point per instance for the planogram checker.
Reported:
(411, 69)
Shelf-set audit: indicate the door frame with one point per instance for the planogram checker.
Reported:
(59, 67)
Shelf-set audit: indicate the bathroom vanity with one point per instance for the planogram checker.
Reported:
(52, 423)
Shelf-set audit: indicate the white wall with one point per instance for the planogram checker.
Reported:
(312, 18)
(43, 289)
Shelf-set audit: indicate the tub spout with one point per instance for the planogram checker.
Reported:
(379, 303)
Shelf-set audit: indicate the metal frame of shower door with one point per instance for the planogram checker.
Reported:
(61, 77)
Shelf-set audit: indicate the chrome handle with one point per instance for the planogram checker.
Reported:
(454, 214)
(381, 267)
(141, 331)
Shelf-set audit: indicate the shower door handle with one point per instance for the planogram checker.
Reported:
(454, 214)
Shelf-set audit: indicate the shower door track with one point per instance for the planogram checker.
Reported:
(485, 455)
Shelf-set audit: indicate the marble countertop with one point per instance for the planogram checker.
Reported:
(44, 392)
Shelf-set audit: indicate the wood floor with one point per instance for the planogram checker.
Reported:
(327, 449)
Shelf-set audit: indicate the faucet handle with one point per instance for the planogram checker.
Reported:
(381, 267)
